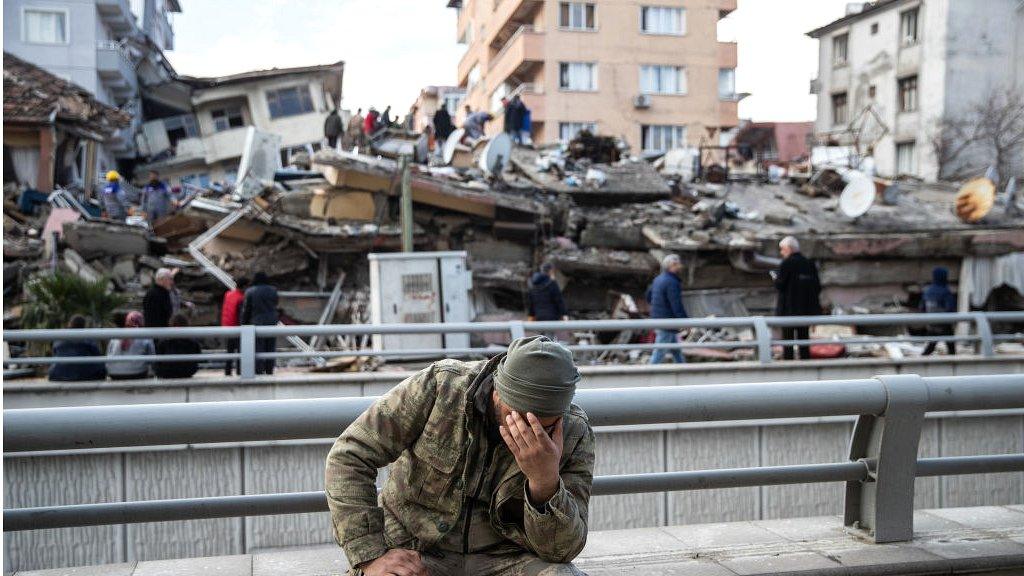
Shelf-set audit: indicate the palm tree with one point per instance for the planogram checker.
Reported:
(52, 299)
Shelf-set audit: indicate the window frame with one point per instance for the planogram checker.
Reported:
(846, 108)
(836, 63)
(301, 88)
(728, 97)
(224, 109)
(682, 80)
(902, 93)
(51, 10)
(913, 158)
(593, 77)
(567, 26)
(645, 130)
(916, 11)
(682, 20)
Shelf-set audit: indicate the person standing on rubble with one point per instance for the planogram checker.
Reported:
(370, 123)
(514, 118)
(332, 128)
(385, 118)
(475, 123)
(115, 204)
(259, 308)
(545, 297)
(231, 315)
(354, 132)
(799, 294)
(156, 198)
(937, 298)
(666, 299)
(443, 126)
(491, 470)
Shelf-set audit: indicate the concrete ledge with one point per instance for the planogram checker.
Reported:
(946, 541)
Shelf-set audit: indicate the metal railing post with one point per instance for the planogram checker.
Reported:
(886, 444)
(988, 348)
(764, 339)
(516, 329)
(247, 350)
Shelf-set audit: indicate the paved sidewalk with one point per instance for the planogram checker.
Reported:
(950, 540)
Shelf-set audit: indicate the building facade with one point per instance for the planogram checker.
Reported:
(111, 48)
(893, 73)
(653, 73)
(200, 139)
(431, 99)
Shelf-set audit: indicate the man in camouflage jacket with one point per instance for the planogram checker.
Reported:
(490, 470)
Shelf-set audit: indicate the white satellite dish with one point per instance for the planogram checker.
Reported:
(451, 144)
(857, 196)
(496, 154)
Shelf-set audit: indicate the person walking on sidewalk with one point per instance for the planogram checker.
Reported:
(666, 299)
(799, 294)
(490, 470)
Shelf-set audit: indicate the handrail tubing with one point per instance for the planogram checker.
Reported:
(75, 515)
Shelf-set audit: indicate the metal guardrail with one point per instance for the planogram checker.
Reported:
(879, 471)
(760, 326)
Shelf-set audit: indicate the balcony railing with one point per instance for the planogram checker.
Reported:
(879, 469)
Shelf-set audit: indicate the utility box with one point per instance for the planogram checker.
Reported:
(419, 288)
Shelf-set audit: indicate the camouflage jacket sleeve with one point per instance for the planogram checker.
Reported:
(374, 440)
(558, 531)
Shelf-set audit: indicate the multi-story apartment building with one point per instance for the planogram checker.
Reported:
(917, 64)
(651, 71)
(200, 137)
(111, 48)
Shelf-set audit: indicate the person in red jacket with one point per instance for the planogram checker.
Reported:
(370, 124)
(230, 314)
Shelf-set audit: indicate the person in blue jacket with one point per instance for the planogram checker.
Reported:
(76, 349)
(937, 298)
(666, 299)
(114, 201)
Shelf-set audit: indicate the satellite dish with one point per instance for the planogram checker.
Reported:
(451, 143)
(857, 196)
(975, 199)
(496, 154)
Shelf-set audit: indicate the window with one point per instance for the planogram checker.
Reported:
(452, 101)
(874, 28)
(727, 83)
(908, 94)
(288, 151)
(662, 80)
(577, 16)
(906, 158)
(840, 44)
(290, 101)
(568, 130)
(908, 27)
(178, 127)
(201, 180)
(473, 78)
(839, 108)
(662, 138)
(662, 20)
(45, 26)
(581, 76)
(227, 118)
(871, 91)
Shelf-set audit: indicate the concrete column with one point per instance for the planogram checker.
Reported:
(44, 174)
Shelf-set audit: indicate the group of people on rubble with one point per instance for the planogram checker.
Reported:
(162, 307)
(796, 281)
(156, 200)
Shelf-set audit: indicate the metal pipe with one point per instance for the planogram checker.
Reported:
(306, 502)
(946, 393)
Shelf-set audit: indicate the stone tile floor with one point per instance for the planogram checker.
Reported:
(951, 540)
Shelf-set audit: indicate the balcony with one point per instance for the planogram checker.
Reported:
(726, 7)
(509, 16)
(224, 144)
(116, 14)
(115, 68)
(727, 55)
(469, 59)
(520, 55)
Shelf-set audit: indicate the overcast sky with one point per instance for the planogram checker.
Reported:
(392, 48)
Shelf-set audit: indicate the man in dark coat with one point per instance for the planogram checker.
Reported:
(666, 299)
(443, 125)
(76, 349)
(158, 304)
(260, 309)
(937, 298)
(545, 297)
(333, 128)
(515, 110)
(177, 346)
(799, 292)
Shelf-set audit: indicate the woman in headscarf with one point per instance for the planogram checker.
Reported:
(131, 369)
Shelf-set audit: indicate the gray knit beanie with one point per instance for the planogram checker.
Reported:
(536, 375)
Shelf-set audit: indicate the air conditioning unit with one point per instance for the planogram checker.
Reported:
(642, 101)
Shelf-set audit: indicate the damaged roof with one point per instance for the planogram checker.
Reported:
(214, 81)
(34, 96)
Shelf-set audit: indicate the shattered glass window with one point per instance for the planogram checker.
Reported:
(290, 101)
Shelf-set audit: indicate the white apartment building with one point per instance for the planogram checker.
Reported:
(200, 138)
(915, 63)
